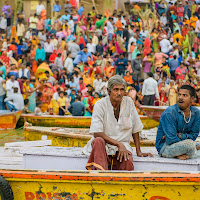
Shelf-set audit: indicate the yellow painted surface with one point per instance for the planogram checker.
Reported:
(57, 140)
(35, 189)
(73, 122)
(7, 120)
(70, 140)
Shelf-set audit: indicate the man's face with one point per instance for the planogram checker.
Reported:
(12, 78)
(47, 75)
(117, 92)
(184, 99)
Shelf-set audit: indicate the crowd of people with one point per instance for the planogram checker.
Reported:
(62, 65)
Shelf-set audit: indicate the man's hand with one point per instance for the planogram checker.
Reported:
(122, 152)
(140, 154)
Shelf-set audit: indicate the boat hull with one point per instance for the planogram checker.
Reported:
(9, 120)
(74, 185)
(72, 122)
(153, 112)
(69, 138)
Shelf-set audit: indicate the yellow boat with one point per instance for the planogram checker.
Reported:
(8, 120)
(74, 185)
(69, 137)
(71, 121)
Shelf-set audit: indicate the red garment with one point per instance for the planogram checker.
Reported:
(82, 41)
(52, 57)
(147, 46)
(82, 86)
(99, 160)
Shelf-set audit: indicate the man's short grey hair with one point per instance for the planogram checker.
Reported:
(116, 79)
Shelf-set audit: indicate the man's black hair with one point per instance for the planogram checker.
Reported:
(26, 101)
(190, 89)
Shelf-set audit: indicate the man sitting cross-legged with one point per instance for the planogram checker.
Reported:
(179, 127)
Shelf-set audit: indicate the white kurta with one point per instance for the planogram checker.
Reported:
(103, 120)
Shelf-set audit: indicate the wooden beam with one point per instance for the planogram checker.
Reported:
(38, 143)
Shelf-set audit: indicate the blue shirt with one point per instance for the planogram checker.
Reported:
(40, 54)
(80, 10)
(172, 122)
(173, 64)
(3, 69)
(121, 66)
(65, 18)
(56, 8)
(82, 57)
(25, 46)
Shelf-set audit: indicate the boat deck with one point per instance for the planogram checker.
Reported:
(38, 156)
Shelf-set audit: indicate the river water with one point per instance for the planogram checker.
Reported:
(15, 135)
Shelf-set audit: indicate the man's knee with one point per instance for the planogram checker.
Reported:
(190, 144)
(99, 141)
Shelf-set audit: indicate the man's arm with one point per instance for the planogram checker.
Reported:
(136, 139)
(169, 128)
(194, 132)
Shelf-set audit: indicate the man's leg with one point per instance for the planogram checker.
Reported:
(151, 100)
(98, 159)
(10, 106)
(183, 149)
(124, 165)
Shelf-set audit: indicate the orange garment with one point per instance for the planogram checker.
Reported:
(43, 14)
(184, 31)
(193, 20)
(177, 35)
(128, 79)
(34, 67)
(119, 25)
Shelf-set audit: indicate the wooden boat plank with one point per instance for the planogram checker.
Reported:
(29, 143)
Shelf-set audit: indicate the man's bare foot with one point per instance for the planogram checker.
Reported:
(198, 147)
(183, 157)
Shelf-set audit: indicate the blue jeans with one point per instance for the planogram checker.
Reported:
(2, 103)
(10, 106)
(119, 32)
(110, 35)
(187, 147)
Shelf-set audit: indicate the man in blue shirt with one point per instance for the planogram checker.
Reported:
(57, 7)
(173, 65)
(40, 53)
(65, 17)
(82, 56)
(121, 65)
(179, 127)
(81, 10)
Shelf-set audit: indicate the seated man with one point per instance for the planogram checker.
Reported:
(114, 121)
(179, 127)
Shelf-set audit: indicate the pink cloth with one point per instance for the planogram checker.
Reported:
(159, 57)
(118, 50)
(180, 73)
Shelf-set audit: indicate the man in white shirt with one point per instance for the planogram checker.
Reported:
(69, 63)
(165, 44)
(97, 83)
(163, 20)
(91, 46)
(15, 101)
(24, 72)
(11, 84)
(150, 90)
(74, 48)
(48, 48)
(110, 28)
(28, 34)
(39, 8)
(114, 121)
(42, 37)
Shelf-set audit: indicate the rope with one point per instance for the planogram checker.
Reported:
(12, 132)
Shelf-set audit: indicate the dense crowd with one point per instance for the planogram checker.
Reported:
(61, 65)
